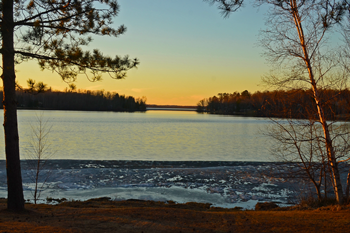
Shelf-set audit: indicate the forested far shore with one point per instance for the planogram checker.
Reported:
(80, 100)
(297, 103)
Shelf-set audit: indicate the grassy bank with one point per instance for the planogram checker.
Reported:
(102, 215)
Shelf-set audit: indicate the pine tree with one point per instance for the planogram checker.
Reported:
(53, 32)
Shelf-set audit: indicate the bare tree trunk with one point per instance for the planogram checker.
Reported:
(318, 191)
(15, 200)
(339, 195)
(325, 180)
(330, 152)
(348, 186)
(318, 188)
(36, 181)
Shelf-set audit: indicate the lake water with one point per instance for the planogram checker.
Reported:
(97, 153)
(154, 135)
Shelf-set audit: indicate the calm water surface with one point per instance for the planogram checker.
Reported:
(154, 135)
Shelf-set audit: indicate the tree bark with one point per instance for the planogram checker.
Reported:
(15, 201)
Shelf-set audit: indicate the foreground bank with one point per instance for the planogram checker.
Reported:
(103, 215)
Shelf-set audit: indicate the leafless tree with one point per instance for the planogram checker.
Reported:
(296, 40)
(297, 43)
(301, 142)
(37, 154)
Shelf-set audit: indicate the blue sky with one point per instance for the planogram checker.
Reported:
(187, 50)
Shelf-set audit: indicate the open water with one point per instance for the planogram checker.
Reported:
(154, 135)
(131, 155)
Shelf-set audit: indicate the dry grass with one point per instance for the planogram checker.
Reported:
(101, 215)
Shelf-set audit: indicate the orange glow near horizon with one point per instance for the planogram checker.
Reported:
(158, 87)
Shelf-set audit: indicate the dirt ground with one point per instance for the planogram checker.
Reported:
(102, 215)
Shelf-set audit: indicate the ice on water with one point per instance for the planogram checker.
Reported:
(222, 184)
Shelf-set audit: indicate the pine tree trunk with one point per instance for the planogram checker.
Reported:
(15, 200)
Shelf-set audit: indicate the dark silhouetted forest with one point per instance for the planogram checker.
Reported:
(80, 100)
(280, 103)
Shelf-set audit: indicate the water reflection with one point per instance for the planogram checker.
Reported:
(154, 135)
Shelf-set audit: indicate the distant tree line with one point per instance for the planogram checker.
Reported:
(38, 96)
(295, 103)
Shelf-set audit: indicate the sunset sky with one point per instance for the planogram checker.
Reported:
(187, 50)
